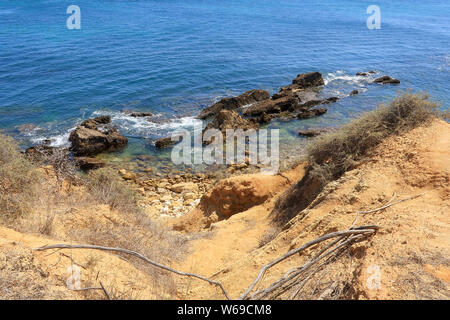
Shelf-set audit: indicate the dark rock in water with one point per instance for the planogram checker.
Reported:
(232, 103)
(272, 106)
(313, 103)
(164, 142)
(145, 157)
(354, 92)
(311, 132)
(88, 140)
(308, 80)
(386, 80)
(141, 114)
(137, 114)
(304, 87)
(93, 123)
(330, 100)
(264, 118)
(230, 119)
(365, 74)
(88, 163)
(311, 113)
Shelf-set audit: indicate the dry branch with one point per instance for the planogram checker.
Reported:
(136, 254)
(355, 231)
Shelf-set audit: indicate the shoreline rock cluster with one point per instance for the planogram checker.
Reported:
(298, 100)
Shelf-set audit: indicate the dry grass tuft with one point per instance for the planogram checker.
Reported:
(106, 186)
(18, 181)
(332, 154)
(57, 201)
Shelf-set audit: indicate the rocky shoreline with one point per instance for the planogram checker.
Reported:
(177, 192)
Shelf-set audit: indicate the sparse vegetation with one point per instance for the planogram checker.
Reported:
(46, 195)
(18, 181)
(332, 154)
(106, 186)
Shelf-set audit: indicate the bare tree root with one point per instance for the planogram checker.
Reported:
(136, 254)
(345, 240)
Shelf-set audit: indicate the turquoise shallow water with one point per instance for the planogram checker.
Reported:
(177, 57)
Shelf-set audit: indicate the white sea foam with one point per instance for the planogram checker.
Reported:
(56, 140)
(341, 76)
(146, 126)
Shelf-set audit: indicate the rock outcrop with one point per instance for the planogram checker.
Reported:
(233, 103)
(308, 80)
(95, 136)
(164, 142)
(88, 163)
(311, 113)
(285, 103)
(230, 119)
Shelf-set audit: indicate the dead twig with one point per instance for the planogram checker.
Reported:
(387, 205)
(136, 254)
(104, 291)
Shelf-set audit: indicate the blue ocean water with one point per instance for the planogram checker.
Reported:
(176, 57)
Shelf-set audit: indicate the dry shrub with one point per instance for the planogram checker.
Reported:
(268, 236)
(136, 231)
(332, 154)
(106, 186)
(21, 277)
(18, 181)
(144, 235)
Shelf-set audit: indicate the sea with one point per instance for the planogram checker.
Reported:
(176, 57)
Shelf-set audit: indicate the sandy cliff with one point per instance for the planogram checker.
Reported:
(231, 243)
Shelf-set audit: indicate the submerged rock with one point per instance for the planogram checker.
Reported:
(311, 113)
(311, 132)
(164, 142)
(233, 103)
(353, 92)
(27, 127)
(386, 80)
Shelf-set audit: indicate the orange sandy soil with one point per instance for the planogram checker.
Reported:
(412, 247)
